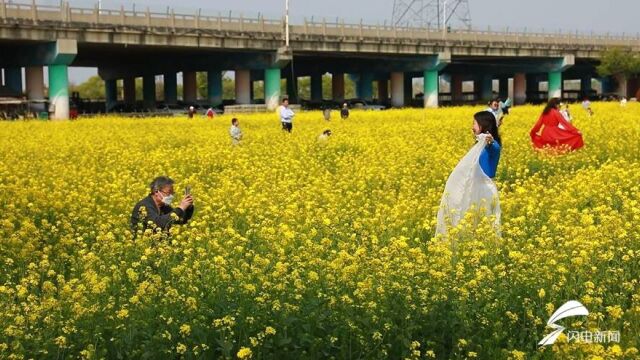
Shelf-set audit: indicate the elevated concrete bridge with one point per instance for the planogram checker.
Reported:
(124, 44)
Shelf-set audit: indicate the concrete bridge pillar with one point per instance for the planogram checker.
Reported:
(34, 76)
(243, 87)
(292, 88)
(533, 87)
(607, 85)
(111, 94)
(408, 88)
(503, 87)
(486, 87)
(337, 86)
(383, 90)
(149, 91)
(170, 88)
(555, 84)
(59, 90)
(585, 85)
(397, 89)
(456, 89)
(13, 79)
(365, 86)
(129, 89)
(519, 88)
(431, 88)
(316, 86)
(272, 88)
(189, 87)
(214, 87)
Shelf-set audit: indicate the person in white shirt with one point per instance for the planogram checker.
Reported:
(286, 116)
(235, 132)
(623, 102)
(499, 109)
(586, 105)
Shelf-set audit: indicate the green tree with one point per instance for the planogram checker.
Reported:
(619, 61)
(92, 88)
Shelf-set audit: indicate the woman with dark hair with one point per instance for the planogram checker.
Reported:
(553, 130)
(470, 185)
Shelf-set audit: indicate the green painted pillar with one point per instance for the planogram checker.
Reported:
(316, 87)
(149, 91)
(59, 91)
(13, 79)
(366, 86)
(503, 87)
(111, 93)
(431, 82)
(170, 88)
(555, 84)
(272, 88)
(214, 87)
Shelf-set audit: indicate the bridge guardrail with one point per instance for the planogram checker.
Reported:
(125, 17)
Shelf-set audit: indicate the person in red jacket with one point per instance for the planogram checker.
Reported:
(547, 132)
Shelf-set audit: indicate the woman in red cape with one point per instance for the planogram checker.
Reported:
(556, 130)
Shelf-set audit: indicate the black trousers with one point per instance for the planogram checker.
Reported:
(287, 126)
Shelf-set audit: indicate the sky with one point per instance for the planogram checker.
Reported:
(620, 16)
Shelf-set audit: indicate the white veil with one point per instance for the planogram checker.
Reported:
(467, 186)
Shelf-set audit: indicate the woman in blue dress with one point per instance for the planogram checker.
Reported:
(470, 185)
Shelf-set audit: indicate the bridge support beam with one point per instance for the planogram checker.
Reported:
(503, 87)
(408, 88)
(272, 88)
(111, 94)
(292, 88)
(34, 78)
(365, 86)
(59, 91)
(149, 91)
(214, 87)
(431, 88)
(555, 76)
(13, 79)
(189, 87)
(243, 87)
(383, 90)
(170, 88)
(585, 85)
(397, 89)
(431, 80)
(337, 86)
(555, 84)
(456, 89)
(129, 89)
(519, 88)
(316, 86)
(606, 84)
(486, 87)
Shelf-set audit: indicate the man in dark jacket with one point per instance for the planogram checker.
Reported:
(156, 207)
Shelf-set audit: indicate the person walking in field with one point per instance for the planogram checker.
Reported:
(235, 132)
(553, 130)
(286, 116)
(344, 112)
(470, 185)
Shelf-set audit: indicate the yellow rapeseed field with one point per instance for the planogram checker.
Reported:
(307, 250)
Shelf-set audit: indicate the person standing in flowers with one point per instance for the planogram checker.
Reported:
(286, 116)
(235, 132)
(553, 130)
(470, 185)
(156, 207)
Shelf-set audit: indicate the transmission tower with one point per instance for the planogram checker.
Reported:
(429, 13)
